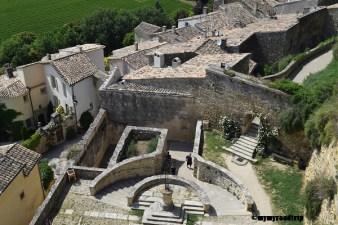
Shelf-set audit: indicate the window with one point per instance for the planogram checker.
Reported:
(54, 82)
(43, 90)
(64, 89)
(25, 98)
(56, 101)
(22, 195)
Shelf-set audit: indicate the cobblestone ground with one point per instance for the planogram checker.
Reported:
(79, 208)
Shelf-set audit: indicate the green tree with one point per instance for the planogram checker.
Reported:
(17, 50)
(86, 119)
(158, 6)
(8, 127)
(129, 39)
(153, 16)
(47, 174)
(181, 13)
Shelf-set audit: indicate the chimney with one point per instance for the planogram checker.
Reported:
(205, 10)
(176, 62)
(158, 60)
(222, 43)
(136, 45)
(9, 70)
(48, 56)
(164, 28)
(174, 29)
(80, 48)
(255, 8)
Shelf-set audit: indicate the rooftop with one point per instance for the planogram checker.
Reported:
(74, 68)
(13, 159)
(11, 87)
(193, 68)
(180, 35)
(142, 46)
(237, 35)
(147, 28)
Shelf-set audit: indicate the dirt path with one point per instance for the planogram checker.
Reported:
(248, 176)
(314, 66)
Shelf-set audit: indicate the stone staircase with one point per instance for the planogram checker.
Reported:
(153, 216)
(246, 145)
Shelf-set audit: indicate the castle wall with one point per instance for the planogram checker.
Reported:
(268, 47)
(209, 98)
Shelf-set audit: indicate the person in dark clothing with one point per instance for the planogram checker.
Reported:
(173, 170)
(168, 162)
(188, 159)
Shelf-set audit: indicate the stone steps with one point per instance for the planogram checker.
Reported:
(246, 145)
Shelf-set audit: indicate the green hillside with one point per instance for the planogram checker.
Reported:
(45, 15)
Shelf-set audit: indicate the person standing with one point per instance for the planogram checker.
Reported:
(188, 159)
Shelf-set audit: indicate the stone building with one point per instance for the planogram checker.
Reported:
(21, 191)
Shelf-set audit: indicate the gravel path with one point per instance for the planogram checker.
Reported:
(314, 66)
(248, 176)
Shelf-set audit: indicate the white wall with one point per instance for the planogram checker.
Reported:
(86, 93)
(97, 58)
(50, 71)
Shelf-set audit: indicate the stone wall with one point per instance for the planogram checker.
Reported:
(295, 66)
(150, 164)
(128, 134)
(268, 47)
(294, 6)
(323, 164)
(197, 98)
(210, 172)
(50, 206)
(95, 142)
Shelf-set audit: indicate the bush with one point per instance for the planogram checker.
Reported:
(60, 110)
(231, 129)
(335, 51)
(33, 142)
(70, 133)
(46, 172)
(321, 128)
(128, 39)
(315, 192)
(152, 145)
(286, 86)
(86, 119)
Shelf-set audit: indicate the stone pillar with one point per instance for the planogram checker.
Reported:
(167, 199)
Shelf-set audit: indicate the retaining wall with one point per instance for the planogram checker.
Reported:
(140, 166)
(52, 203)
(95, 142)
(210, 172)
(295, 66)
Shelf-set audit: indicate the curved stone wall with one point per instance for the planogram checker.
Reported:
(171, 179)
(140, 166)
(296, 66)
(210, 172)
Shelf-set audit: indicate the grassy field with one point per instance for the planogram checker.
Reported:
(215, 144)
(45, 15)
(285, 188)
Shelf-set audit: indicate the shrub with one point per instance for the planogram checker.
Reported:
(128, 39)
(321, 128)
(286, 86)
(70, 133)
(152, 145)
(266, 134)
(60, 110)
(47, 174)
(86, 119)
(315, 192)
(32, 142)
(335, 51)
(231, 128)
